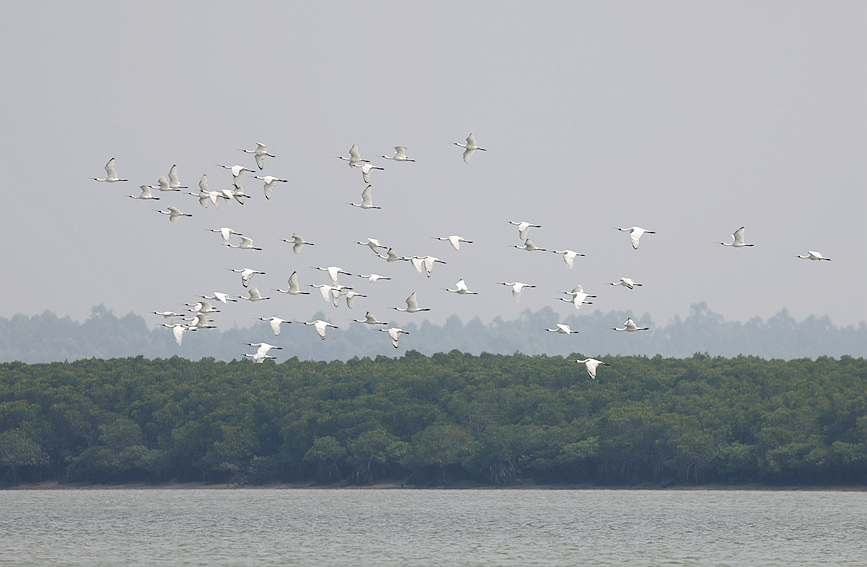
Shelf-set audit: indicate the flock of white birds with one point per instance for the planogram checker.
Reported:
(333, 291)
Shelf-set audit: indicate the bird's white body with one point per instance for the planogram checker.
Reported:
(454, 240)
(354, 157)
(366, 200)
(366, 168)
(399, 154)
(270, 182)
(568, 256)
(174, 214)
(237, 170)
(635, 233)
(275, 323)
(369, 319)
(259, 153)
(461, 288)
(226, 232)
(577, 297)
(333, 272)
(178, 330)
(562, 329)
(246, 274)
(259, 358)
(174, 180)
(630, 327)
(737, 239)
(320, 327)
(294, 288)
(110, 174)
(591, 364)
(391, 256)
(220, 296)
(425, 263)
(254, 295)
(297, 243)
(524, 228)
(517, 288)
(145, 193)
(813, 255)
(245, 244)
(167, 314)
(411, 305)
(263, 348)
(394, 333)
(530, 247)
(202, 307)
(351, 296)
(470, 147)
(626, 282)
(372, 278)
(373, 244)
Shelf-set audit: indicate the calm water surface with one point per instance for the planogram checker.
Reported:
(431, 527)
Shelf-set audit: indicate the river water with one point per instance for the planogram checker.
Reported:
(431, 527)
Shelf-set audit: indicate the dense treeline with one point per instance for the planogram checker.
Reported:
(47, 338)
(429, 420)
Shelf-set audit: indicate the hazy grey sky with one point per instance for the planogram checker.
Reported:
(687, 118)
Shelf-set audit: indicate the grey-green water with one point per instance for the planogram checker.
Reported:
(431, 527)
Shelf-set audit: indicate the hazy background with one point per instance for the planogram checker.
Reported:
(690, 119)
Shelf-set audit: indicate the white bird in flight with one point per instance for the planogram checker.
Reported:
(366, 200)
(354, 157)
(275, 323)
(366, 169)
(524, 228)
(394, 333)
(373, 244)
(110, 174)
(591, 364)
(635, 232)
(259, 153)
(330, 293)
(461, 288)
(568, 256)
(320, 327)
(294, 289)
(454, 240)
(391, 256)
(259, 358)
(246, 274)
(517, 288)
(167, 314)
(162, 185)
(333, 272)
(372, 278)
(530, 247)
(220, 296)
(369, 319)
(178, 330)
(174, 180)
(737, 239)
(561, 328)
(813, 255)
(399, 154)
(411, 305)
(226, 232)
(254, 295)
(245, 244)
(297, 243)
(174, 214)
(577, 297)
(426, 263)
(263, 348)
(270, 182)
(145, 193)
(351, 296)
(470, 147)
(202, 307)
(626, 282)
(630, 327)
(237, 170)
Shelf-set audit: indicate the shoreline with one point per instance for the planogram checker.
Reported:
(54, 485)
